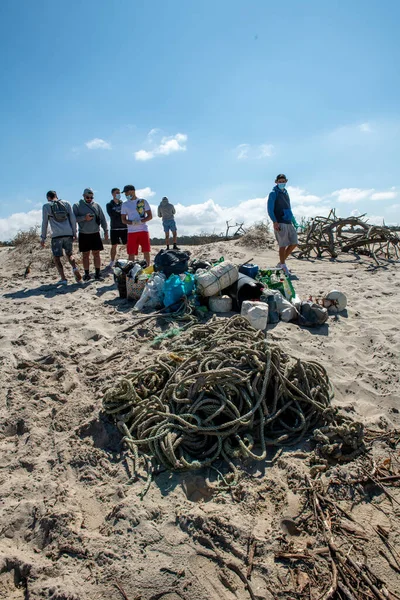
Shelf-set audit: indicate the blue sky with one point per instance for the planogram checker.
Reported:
(204, 102)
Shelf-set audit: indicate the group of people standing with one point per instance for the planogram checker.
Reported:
(128, 222)
(128, 226)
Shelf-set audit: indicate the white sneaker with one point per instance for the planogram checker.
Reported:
(62, 282)
(286, 270)
(112, 263)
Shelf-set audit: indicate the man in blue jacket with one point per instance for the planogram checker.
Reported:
(282, 218)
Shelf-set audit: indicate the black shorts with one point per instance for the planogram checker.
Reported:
(119, 236)
(90, 241)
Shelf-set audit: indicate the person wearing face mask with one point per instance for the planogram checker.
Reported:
(280, 213)
(90, 217)
(119, 231)
(135, 213)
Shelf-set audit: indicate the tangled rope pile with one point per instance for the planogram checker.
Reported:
(219, 391)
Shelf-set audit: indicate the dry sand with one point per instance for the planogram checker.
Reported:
(73, 528)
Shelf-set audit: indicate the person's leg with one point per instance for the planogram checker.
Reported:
(282, 255)
(289, 250)
(60, 268)
(167, 239)
(96, 259)
(86, 260)
(113, 252)
(57, 250)
(144, 240)
(132, 246)
(174, 237)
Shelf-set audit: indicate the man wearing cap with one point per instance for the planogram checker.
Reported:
(119, 231)
(63, 231)
(281, 215)
(89, 216)
(135, 213)
(166, 212)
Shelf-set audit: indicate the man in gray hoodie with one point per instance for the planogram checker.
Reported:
(166, 212)
(59, 215)
(89, 216)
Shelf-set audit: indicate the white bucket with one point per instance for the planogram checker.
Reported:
(216, 279)
(256, 313)
(220, 304)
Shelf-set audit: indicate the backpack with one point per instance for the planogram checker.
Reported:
(59, 211)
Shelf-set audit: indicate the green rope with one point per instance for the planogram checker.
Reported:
(219, 390)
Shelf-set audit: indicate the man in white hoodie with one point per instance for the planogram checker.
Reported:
(63, 231)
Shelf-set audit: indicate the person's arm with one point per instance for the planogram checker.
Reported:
(109, 210)
(45, 223)
(159, 212)
(148, 213)
(271, 209)
(80, 218)
(103, 222)
(72, 219)
(173, 210)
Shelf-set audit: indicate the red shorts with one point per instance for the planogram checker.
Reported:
(139, 238)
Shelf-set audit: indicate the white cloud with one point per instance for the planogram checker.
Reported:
(167, 145)
(365, 127)
(144, 155)
(242, 151)
(10, 226)
(394, 206)
(146, 192)
(355, 213)
(350, 195)
(153, 132)
(98, 144)
(298, 196)
(384, 196)
(247, 151)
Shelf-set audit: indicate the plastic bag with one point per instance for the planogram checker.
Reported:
(312, 315)
(152, 295)
(171, 262)
(178, 286)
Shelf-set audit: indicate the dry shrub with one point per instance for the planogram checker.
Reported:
(258, 236)
(26, 238)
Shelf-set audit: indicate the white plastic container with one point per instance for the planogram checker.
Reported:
(220, 304)
(216, 279)
(335, 299)
(256, 313)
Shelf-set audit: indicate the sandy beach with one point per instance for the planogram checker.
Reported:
(73, 525)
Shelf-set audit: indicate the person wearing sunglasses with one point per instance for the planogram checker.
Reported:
(89, 216)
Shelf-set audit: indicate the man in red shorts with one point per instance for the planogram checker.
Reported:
(135, 213)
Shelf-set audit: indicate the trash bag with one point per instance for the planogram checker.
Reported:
(199, 263)
(171, 262)
(152, 295)
(312, 315)
(178, 286)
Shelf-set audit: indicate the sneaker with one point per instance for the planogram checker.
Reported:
(286, 270)
(77, 274)
(98, 278)
(111, 265)
(176, 247)
(62, 282)
(86, 277)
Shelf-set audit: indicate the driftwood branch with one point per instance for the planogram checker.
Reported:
(331, 235)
